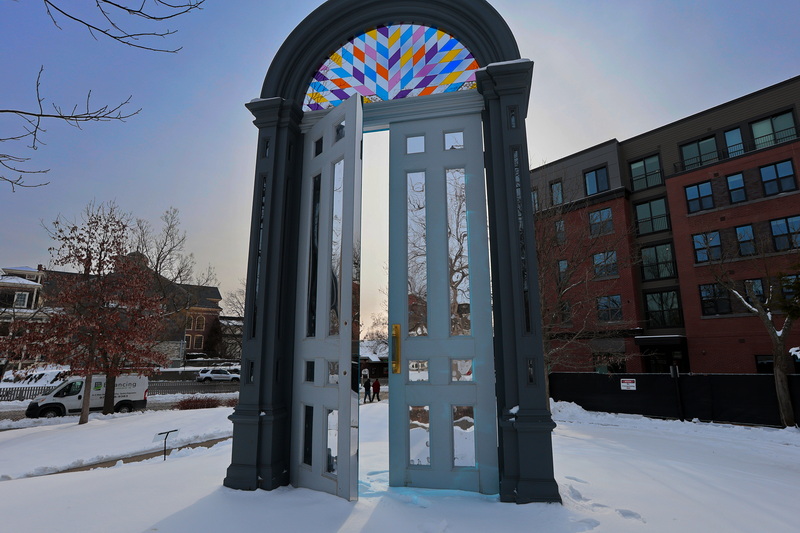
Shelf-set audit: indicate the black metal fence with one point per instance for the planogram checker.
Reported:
(155, 387)
(8, 394)
(732, 398)
(190, 387)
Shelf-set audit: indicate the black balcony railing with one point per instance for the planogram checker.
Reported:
(653, 224)
(644, 181)
(759, 143)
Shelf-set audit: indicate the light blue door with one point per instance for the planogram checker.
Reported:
(324, 453)
(443, 423)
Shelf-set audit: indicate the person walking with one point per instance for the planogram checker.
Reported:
(367, 390)
(376, 390)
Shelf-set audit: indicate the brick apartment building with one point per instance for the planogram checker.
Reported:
(658, 218)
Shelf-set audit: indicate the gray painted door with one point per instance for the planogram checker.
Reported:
(325, 406)
(442, 427)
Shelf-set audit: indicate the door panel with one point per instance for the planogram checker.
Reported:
(442, 427)
(325, 406)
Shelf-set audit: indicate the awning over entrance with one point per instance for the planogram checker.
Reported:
(660, 340)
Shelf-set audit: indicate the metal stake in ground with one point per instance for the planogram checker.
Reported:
(166, 436)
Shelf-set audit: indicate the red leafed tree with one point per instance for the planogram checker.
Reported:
(105, 318)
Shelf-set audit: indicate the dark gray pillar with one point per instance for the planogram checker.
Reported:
(262, 420)
(526, 450)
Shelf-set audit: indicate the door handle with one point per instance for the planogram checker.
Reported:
(395, 348)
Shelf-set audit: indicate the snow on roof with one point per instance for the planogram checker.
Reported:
(16, 281)
(22, 268)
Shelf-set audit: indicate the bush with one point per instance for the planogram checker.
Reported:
(198, 402)
(231, 402)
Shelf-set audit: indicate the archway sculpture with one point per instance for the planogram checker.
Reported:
(263, 433)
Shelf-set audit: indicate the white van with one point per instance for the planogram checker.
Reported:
(130, 393)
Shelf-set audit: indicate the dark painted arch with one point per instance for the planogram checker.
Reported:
(475, 23)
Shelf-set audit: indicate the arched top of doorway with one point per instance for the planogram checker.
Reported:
(474, 23)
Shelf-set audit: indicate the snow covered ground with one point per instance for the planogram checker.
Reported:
(616, 474)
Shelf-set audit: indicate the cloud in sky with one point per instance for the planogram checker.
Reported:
(602, 70)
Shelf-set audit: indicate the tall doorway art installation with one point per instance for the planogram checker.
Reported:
(467, 403)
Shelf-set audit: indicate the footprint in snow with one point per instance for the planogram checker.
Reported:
(626, 513)
(576, 495)
(587, 524)
(577, 479)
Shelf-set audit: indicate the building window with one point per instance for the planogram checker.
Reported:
(747, 240)
(788, 286)
(707, 247)
(699, 153)
(778, 178)
(699, 197)
(663, 309)
(187, 342)
(561, 232)
(652, 216)
(198, 342)
(786, 233)
(646, 173)
(736, 188)
(756, 287)
(563, 265)
(565, 312)
(733, 142)
(605, 264)
(556, 193)
(658, 262)
(535, 199)
(189, 323)
(596, 181)
(774, 130)
(714, 299)
(200, 323)
(601, 222)
(21, 300)
(609, 308)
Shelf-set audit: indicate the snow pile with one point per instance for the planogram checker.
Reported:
(616, 474)
(52, 445)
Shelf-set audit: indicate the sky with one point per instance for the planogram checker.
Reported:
(603, 70)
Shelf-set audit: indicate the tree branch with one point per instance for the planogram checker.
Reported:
(125, 36)
(32, 127)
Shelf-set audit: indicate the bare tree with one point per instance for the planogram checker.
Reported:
(129, 22)
(770, 293)
(235, 300)
(581, 259)
(165, 250)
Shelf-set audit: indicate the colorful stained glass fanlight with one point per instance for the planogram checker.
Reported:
(392, 62)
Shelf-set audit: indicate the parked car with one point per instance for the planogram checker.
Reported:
(217, 374)
(130, 393)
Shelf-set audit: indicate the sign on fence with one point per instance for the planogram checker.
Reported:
(627, 384)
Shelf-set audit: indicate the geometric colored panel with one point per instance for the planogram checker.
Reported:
(391, 62)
